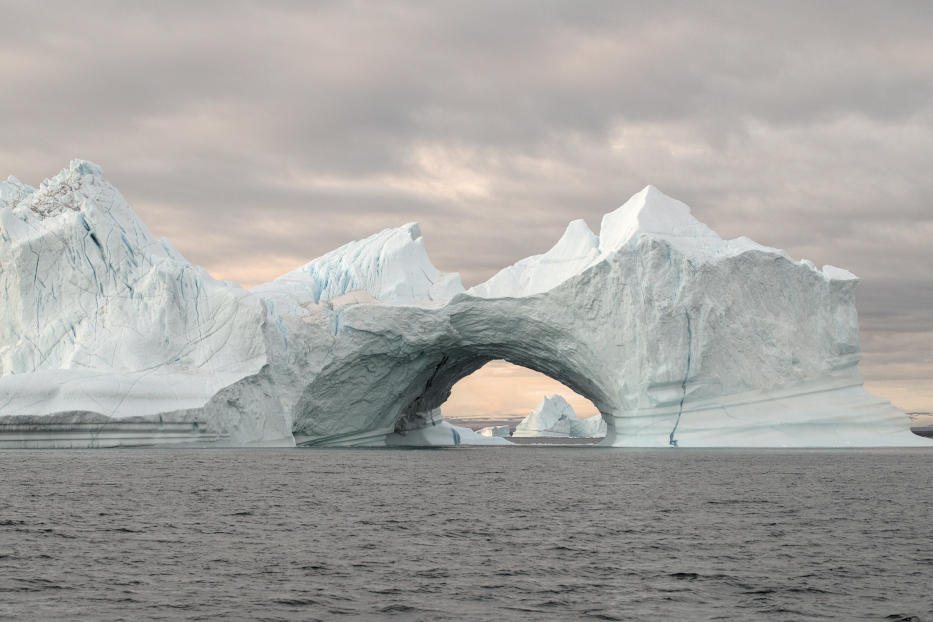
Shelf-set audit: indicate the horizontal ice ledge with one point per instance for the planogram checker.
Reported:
(678, 337)
(826, 413)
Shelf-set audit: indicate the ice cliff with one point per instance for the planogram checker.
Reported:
(553, 416)
(678, 337)
(99, 318)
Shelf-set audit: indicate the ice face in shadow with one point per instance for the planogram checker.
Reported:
(677, 336)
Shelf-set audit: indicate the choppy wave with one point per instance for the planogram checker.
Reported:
(466, 534)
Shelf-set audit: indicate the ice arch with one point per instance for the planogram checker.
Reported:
(677, 336)
(503, 390)
(415, 377)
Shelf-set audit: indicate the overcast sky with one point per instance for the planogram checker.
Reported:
(257, 136)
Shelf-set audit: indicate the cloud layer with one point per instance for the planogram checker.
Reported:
(259, 135)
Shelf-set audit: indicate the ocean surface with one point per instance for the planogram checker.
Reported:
(520, 533)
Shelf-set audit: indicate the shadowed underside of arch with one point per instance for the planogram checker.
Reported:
(417, 377)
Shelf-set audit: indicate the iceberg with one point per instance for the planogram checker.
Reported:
(501, 431)
(588, 427)
(554, 417)
(551, 417)
(101, 320)
(679, 338)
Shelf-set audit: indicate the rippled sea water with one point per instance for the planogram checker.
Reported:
(515, 533)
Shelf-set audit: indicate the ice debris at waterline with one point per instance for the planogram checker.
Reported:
(501, 431)
(677, 336)
(554, 417)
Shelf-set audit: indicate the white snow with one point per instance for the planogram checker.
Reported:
(649, 213)
(576, 250)
(391, 266)
(678, 337)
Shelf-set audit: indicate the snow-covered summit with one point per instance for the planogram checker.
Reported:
(648, 213)
(391, 267)
(66, 191)
(79, 200)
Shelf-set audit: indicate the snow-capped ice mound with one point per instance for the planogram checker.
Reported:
(678, 337)
(554, 417)
(576, 250)
(648, 213)
(391, 266)
(651, 212)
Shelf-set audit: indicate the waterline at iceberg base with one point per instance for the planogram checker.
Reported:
(678, 337)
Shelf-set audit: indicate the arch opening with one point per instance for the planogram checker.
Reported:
(502, 394)
(532, 378)
(403, 377)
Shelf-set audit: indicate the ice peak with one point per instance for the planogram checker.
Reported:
(84, 167)
(577, 238)
(650, 211)
(392, 266)
(413, 228)
(555, 399)
(77, 173)
(576, 250)
(62, 193)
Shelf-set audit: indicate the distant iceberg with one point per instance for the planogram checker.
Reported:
(554, 417)
(678, 337)
(501, 431)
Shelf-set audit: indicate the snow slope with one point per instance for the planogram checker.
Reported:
(648, 213)
(391, 267)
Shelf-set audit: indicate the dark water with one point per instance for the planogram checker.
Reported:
(466, 534)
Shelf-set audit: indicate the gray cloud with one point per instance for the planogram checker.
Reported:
(259, 135)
